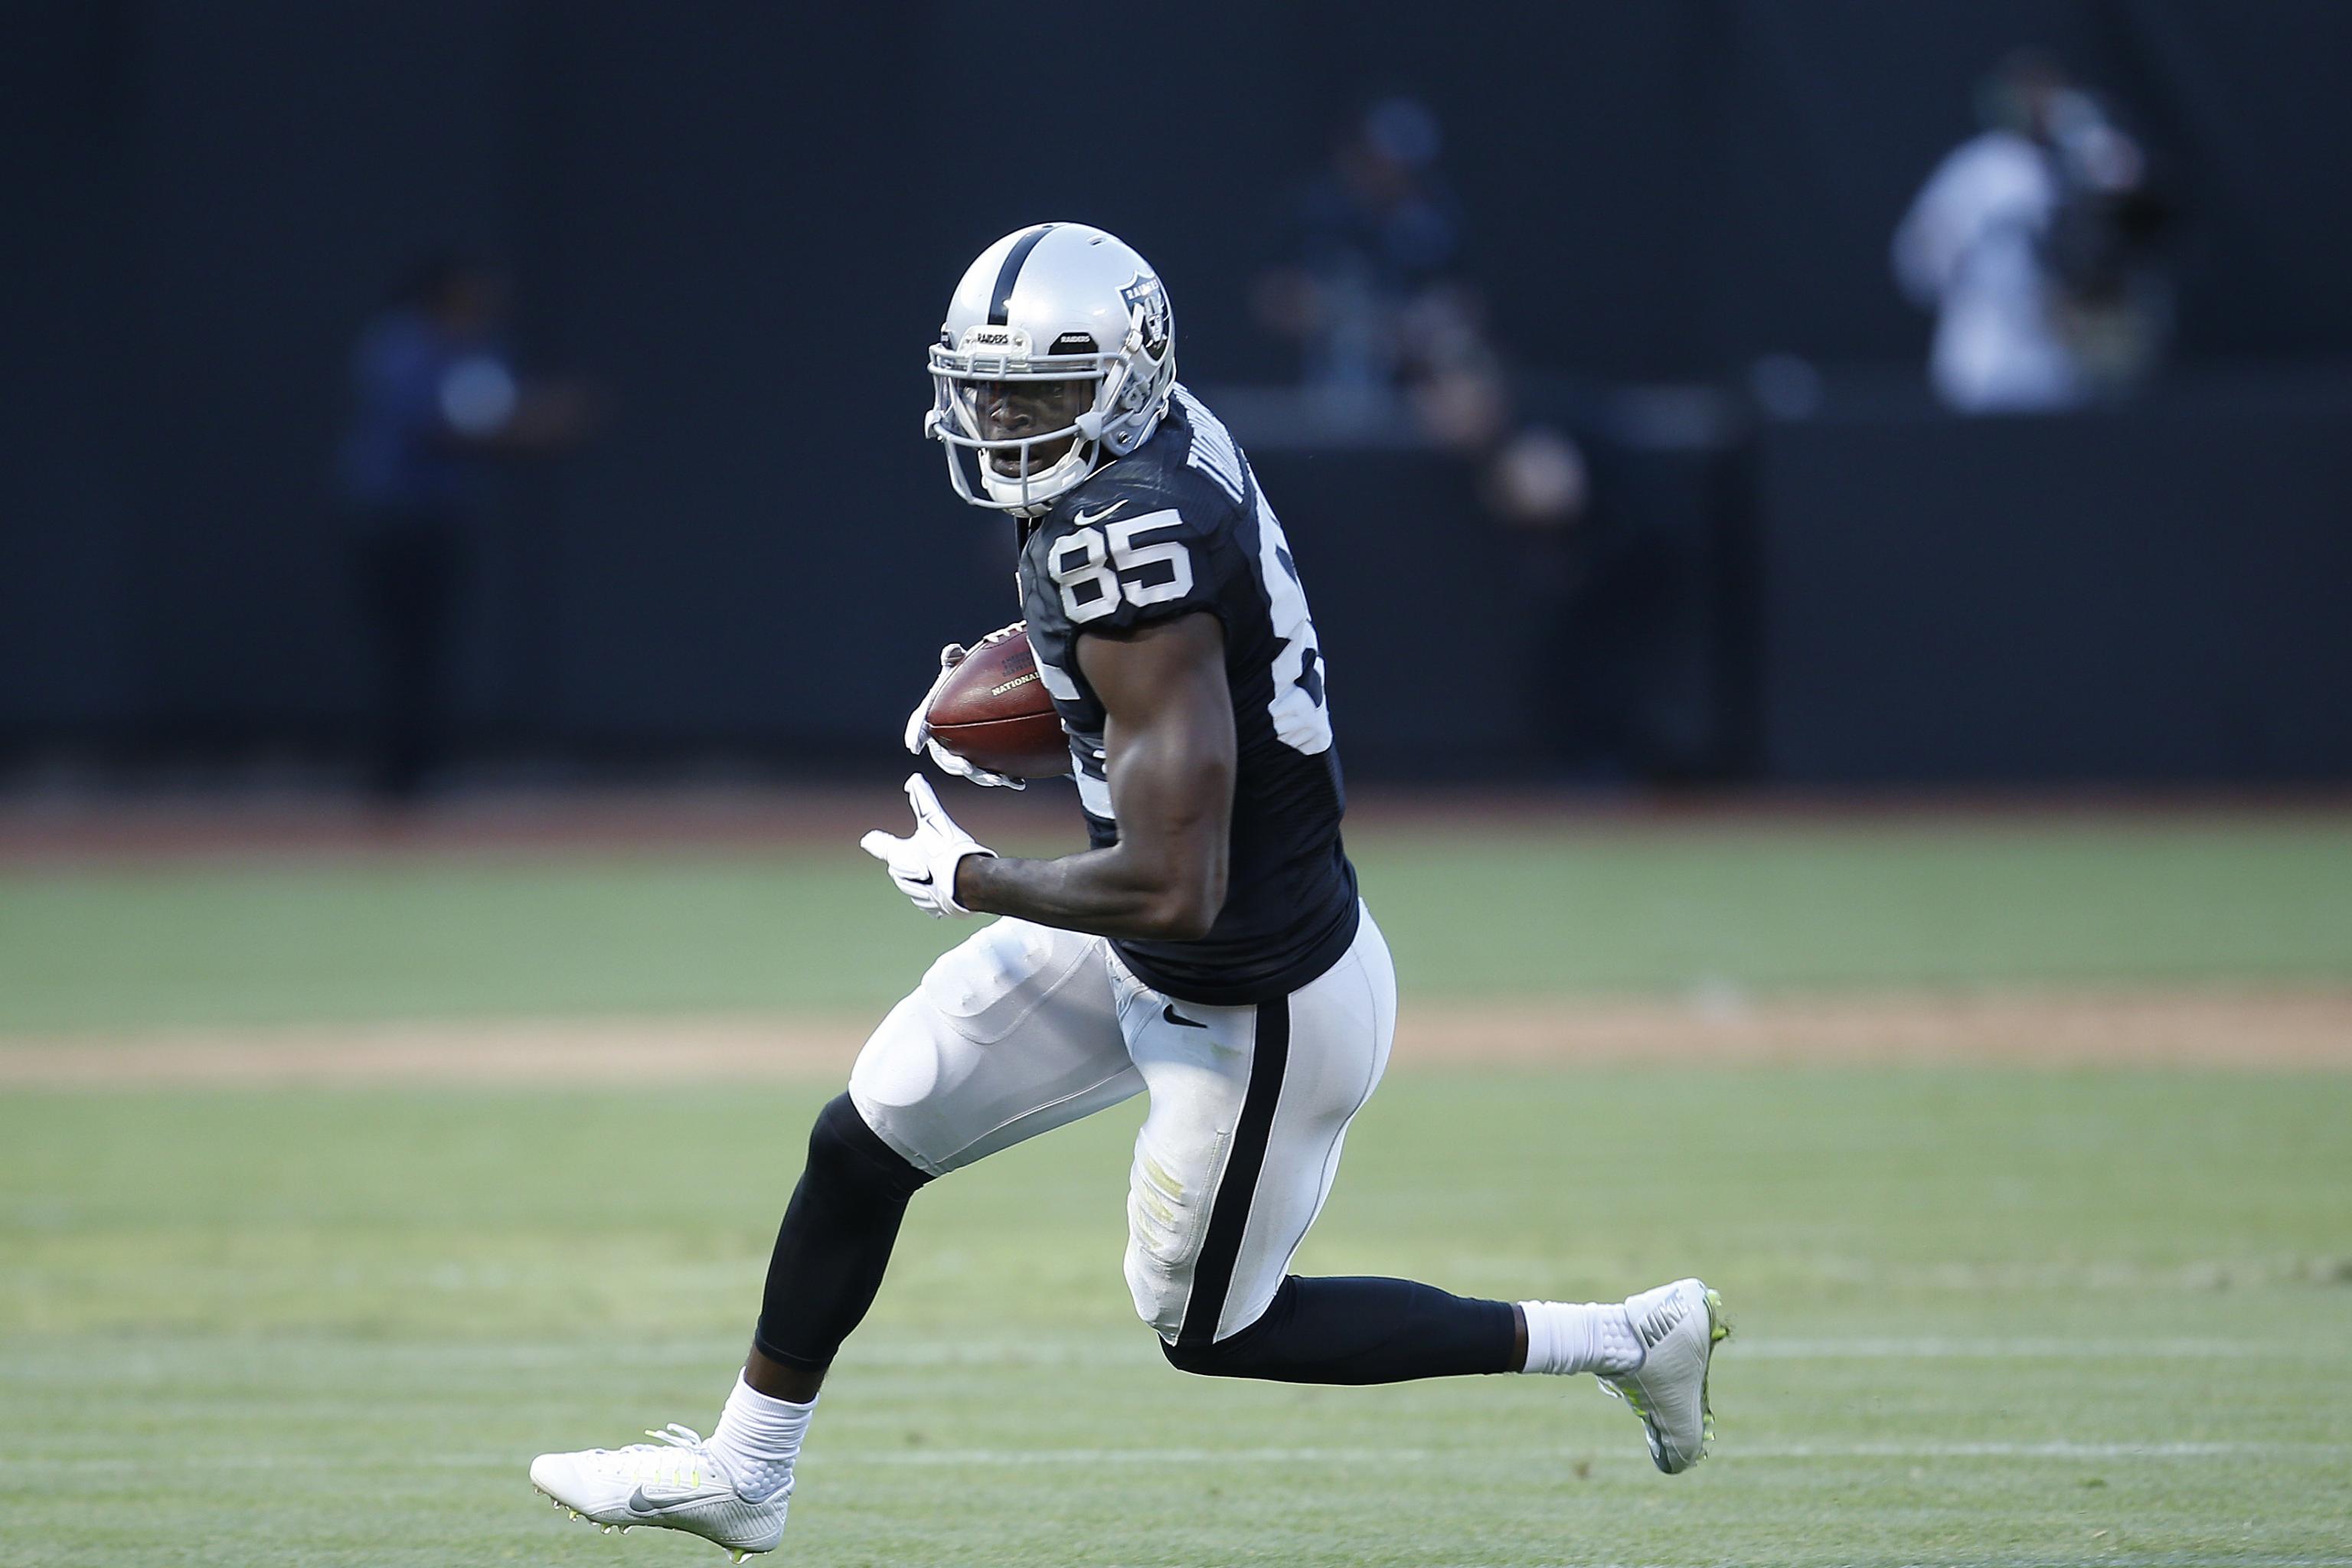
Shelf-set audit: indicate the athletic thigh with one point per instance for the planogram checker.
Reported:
(1250, 1107)
(1012, 1034)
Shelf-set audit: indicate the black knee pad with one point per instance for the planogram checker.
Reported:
(1247, 1353)
(1203, 1361)
(844, 1152)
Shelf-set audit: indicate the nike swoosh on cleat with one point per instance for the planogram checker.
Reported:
(1657, 1326)
(1173, 1017)
(640, 1503)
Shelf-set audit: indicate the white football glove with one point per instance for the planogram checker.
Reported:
(918, 725)
(924, 863)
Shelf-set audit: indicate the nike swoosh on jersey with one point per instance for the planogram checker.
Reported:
(1173, 1017)
(1082, 520)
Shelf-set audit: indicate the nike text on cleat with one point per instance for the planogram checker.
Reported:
(673, 1483)
(1679, 1326)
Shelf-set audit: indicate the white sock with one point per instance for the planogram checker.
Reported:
(1584, 1336)
(759, 1437)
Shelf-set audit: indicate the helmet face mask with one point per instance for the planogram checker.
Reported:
(1018, 410)
(1040, 417)
(1021, 427)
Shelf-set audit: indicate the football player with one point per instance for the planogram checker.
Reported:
(1209, 951)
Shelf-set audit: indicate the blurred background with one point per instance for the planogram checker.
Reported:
(1830, 523)
(1787, 393)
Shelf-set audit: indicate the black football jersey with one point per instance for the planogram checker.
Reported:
(1179, 527)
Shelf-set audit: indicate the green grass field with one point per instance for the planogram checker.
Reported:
(1985, 1315)
(1553, 912)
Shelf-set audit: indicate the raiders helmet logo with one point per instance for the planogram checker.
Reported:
(1147, 304)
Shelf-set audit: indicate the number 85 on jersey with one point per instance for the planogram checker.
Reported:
(1097, 564)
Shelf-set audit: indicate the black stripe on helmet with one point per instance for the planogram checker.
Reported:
(1229, 1211)
(1010, 273)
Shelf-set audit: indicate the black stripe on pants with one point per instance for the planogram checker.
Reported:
(1354, 1331)
(1229, 1212)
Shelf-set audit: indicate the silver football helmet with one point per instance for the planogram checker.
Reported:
(1057, 355)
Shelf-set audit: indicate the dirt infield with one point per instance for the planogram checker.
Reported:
(265, 825)
(2308, 1029)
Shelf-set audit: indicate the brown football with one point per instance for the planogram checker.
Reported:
(994, 711)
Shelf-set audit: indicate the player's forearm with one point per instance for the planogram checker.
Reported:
(1170, 741)
(1114, 892)
(1172, 786)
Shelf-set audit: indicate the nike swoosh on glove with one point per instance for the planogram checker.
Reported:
(924, 863)
(919, 722)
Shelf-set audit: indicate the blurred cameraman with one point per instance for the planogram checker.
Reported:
(2036, 244)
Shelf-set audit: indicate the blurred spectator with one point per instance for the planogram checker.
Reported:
(1389, 325)
(435, 398)
(2034, 242)
(1375, 270)
(1379, 306)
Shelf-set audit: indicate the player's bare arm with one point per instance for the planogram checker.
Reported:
(1171, 739)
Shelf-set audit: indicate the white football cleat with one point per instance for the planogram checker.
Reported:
(1679, 1326)
(673, 1483)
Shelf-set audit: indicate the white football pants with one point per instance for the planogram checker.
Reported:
(1024, 1028)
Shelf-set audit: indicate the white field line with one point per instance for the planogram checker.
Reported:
(2040, 1560)
(919, 1353)
(2301, 1027)
(23, 1364)
(1025, 1458)
(24, 1367)
(1098, 1458)
(1931, 1348)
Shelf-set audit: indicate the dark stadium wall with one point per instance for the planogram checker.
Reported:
(2150, 593)
(744, 218)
